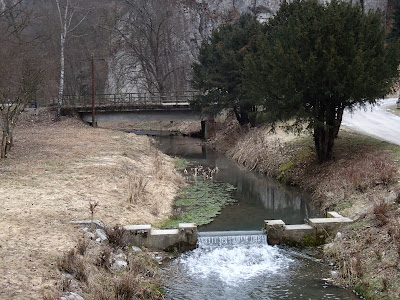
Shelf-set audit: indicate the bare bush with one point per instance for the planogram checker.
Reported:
(72, 263)
(381, 211)
(126, 286)
(103, 260)
(143, 265)
(115, 235)
(82, 245)
(92, 208)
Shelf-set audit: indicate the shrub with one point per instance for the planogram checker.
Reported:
(126, 286)
(115, 235)
(72, 263)
(381, 210)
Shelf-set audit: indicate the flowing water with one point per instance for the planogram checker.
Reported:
(233, 259)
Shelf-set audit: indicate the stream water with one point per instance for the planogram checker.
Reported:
(233, 259)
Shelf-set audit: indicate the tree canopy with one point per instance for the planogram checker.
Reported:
(219, 72)
(394, 33)
(318, 59)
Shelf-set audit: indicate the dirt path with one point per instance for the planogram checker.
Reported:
(51, 175)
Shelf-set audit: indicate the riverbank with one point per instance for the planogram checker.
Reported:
(51, 176)
(361, 182)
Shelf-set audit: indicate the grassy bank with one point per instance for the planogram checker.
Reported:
(52, 174)
(361, 181)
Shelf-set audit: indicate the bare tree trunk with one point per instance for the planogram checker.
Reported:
(62, 72)
(3, 149)
(66, 17)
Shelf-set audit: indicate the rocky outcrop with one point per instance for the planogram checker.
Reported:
(190, 22)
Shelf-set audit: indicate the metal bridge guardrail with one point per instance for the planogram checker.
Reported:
(129, 99)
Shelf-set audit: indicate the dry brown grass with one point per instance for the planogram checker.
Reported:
(52, 174)
(368, 257)
(91, 276)
(361, 181)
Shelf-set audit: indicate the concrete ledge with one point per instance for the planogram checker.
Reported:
(183, 238)
(301, 227)
(333, 214)
(275, 229)
(314, 233)
(297, 234)
(137, 227)
(164, 232)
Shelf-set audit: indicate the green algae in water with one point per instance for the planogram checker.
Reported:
(200, 203)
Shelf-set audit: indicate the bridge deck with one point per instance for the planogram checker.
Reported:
(130, 100)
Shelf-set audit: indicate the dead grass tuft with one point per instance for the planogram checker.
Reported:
(136, 188)
(158, 168)
(139, 280)
(103, 260)
(381, 211)
(82, 245)
(115, 235)
(126, 287)
(73, 263)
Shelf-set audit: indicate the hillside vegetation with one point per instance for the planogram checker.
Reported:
(362, 181)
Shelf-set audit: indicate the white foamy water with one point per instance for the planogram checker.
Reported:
(241, 266)
(233, 259)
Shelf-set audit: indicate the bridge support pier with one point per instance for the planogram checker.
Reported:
(208, 127)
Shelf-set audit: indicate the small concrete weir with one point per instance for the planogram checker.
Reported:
(184, 238)
(312, 234)
(226, 238)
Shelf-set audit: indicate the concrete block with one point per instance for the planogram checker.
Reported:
(296, 234)
(137, 227)
(97, 224)
(275, 229)
(328, 226)
(333, 214)
(273, 222)
(187, 225)
(183, 238)
(164, 232)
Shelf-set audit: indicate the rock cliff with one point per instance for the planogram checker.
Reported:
(189, 23)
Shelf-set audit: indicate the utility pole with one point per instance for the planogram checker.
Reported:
(94, 124)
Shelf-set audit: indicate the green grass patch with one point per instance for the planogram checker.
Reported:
(200, 203)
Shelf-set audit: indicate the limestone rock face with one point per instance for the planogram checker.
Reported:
(190, 22)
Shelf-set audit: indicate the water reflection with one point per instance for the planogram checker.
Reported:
(253, 271)
(258, 197)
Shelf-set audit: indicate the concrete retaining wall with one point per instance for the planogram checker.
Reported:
(184, 238)
(312, 234)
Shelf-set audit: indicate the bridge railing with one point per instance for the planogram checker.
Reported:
(125, 99)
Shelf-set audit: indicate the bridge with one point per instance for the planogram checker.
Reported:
(125, 107)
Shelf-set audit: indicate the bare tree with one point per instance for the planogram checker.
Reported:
(70, 17)
(20, 73)
(146, 31)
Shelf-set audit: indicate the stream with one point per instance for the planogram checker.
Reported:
(233, 259)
